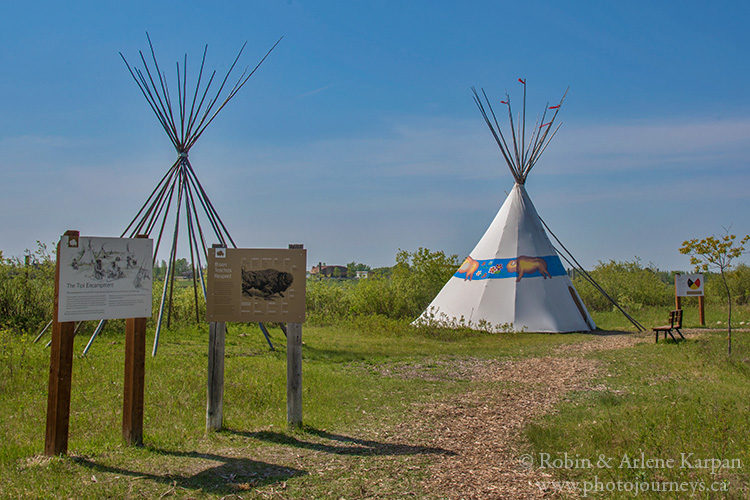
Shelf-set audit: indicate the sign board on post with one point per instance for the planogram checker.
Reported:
(98, 278)
(104, 278)
(688, 285)
(256, 284)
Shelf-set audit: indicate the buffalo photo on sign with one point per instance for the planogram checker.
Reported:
(256, 284)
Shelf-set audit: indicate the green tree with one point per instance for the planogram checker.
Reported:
(716, 253)
(353, 267)
(419, 276)
(181, 266)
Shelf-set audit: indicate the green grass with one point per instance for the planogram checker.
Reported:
(663, 400)
(343, 393)
(716, 317)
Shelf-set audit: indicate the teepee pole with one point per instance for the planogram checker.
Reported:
(97, 331)
(513, 132)
(208, 212)
(154, 219)
(203, 246)
(499, 139)
(152, 213)
(523, 126)
(174, 253)
(204, 106)
(590, 279)
(189, 225)
(210, 205)
(168, 205)
(149, 202)
(42, 332)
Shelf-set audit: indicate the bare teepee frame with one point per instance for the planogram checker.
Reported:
(521, 156)
(184, 121)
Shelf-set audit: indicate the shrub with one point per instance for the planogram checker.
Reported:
(738, 280)
(27, 289)
(628, 282)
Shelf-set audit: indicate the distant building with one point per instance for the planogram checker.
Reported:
(329, 271)
(363, 274)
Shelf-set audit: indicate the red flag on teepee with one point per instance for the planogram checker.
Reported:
(522, 81)
(554, 107)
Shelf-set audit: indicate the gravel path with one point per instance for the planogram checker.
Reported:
(484, 428)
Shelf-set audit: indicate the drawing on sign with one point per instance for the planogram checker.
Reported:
(106, 261)
(265, 283)
(104, 278)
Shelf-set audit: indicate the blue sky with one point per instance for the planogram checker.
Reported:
(358, 136)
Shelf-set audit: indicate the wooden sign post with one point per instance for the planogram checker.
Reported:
(217, 332)
(84, 280)
(294, 374)
(60, 369)
(135, 367)
(294, 370)
(255, 285)
(215, 402)
(135, 374)
(690, 285)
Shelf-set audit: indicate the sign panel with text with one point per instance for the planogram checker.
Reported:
(256, 284)
(104, 278)
(688, 285)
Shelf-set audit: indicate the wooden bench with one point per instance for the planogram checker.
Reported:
(675, 323)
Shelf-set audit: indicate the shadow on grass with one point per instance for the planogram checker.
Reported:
(232, 475)
(607, 333)
(312, 353)
(342, 445)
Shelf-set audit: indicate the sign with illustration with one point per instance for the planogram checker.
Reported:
(104, 278)
(519, 267)
(688, 285)
(256, 284)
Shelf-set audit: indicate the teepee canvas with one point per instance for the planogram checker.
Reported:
(513, 279)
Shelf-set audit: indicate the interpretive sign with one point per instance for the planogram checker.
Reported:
(688, 285)
(104, 278)
(256, 284)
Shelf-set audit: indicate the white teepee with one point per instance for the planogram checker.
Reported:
(513, 279)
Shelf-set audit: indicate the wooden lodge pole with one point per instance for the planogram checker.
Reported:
(294, 371)
(701, 311)
(60, 369)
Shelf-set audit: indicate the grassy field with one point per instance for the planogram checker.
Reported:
(663, 399)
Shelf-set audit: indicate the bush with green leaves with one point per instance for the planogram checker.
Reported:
(27, 289)
(738, 281)
(414, 281)
(628, 282)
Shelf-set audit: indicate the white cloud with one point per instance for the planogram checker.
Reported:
(430, 181)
